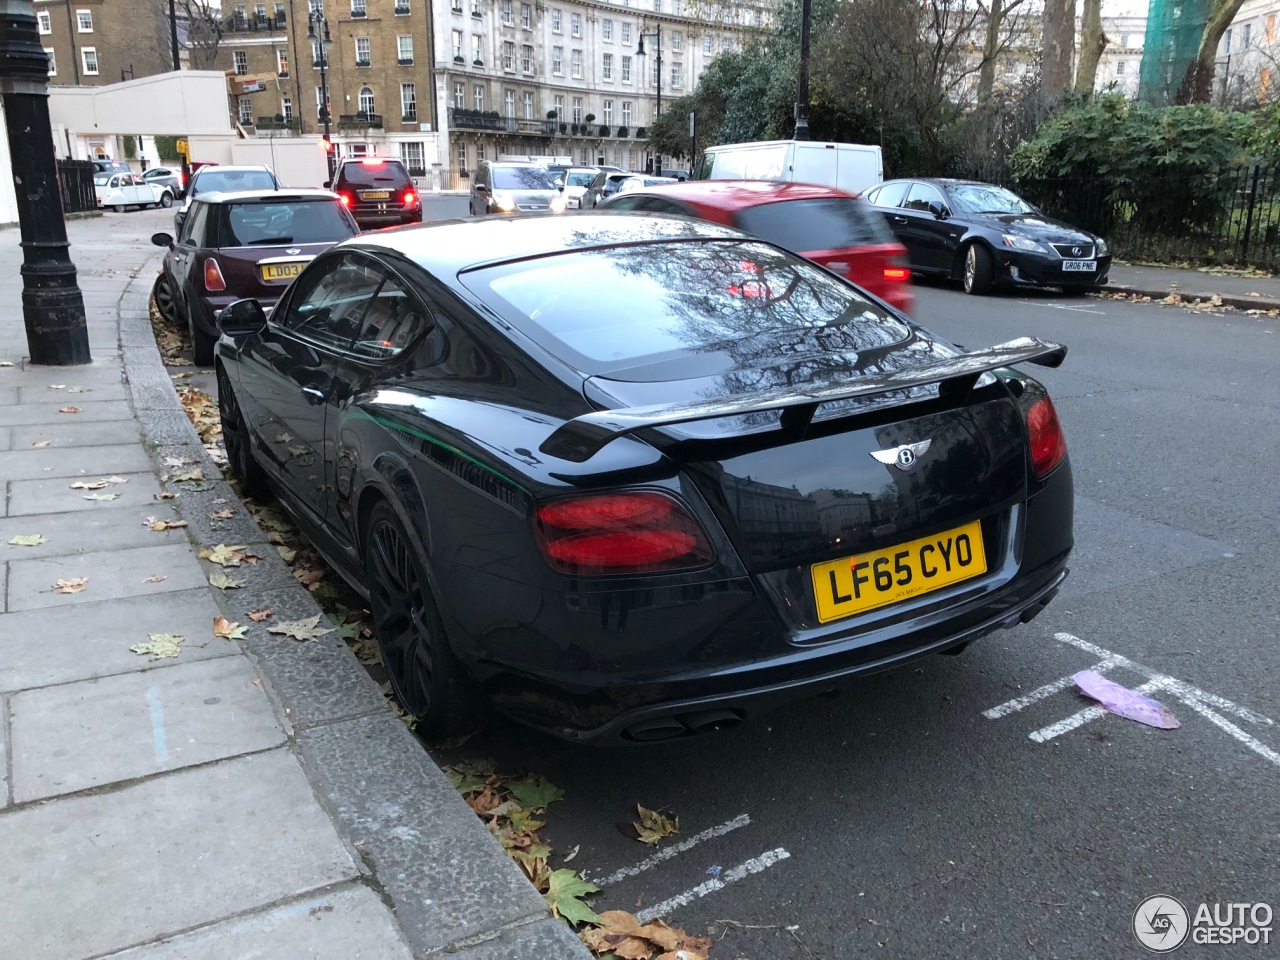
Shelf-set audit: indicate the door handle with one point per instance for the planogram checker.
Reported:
(314, 395)
(898, 219)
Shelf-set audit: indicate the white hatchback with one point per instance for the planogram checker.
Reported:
(122, 190)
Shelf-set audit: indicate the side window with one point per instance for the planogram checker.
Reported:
(626, 203)
(660, 205)
(114, 182)
(888, 195)
(921, 196)
(195, 228)
(328, 309)
(394, 319)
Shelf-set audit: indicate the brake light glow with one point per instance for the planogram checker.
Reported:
(620, 533)
(372, 161)
(213, 281)
(897, 273)
(345, 199)
(1048, 445)
(408, 197)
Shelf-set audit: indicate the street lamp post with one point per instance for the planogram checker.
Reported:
(315, 20)
(802, 82)
(640, 52)
(52, 306)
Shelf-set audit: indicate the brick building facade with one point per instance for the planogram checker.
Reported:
(92, 42)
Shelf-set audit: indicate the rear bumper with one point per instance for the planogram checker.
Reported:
(373, 219)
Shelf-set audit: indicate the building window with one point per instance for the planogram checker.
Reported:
(626, 69)
(506, 11)
(656, 77)
(509, 102)
(479, 152)
(363, 48)
(508, 55)
(526, 58)
(402, 7)
(577, 109)
(475, 8)
(260, 13)
(477, 96)
(53, 61)
(280, 13)
(706, 44)
(44, 23)
(462, 155)
(1120, 67)
(457, 45)
(404, 50)
(84, 21)
(677, 74)
(244, 108)
(315, 53)
(557, 60)
(559, 105)
(657, 6)
(576, 63)
(282, 63)
(677, 40)
(631, 159)
(367, 106)
(412, 156)
(608, 66)
(527, 99)
(239, 62)
(409, 101)
(626, 31)
(286, 108)
(724, 45)
(320, 103)
(358, 8)
(526, 16)
(555, 21)
(606, 29)
(477, 49)
(757, 18)
(585, 155)
(242, 17)
(607, 113)
(626, 113)
(317, 7)
(459, 95)
(575, 24)
(1124, 41)
(457, 6)
(677, 8)
(89, 60)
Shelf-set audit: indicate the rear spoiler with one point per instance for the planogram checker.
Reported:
(581, 438)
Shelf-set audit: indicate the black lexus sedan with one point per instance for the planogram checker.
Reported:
(984, 235)
(634, 478)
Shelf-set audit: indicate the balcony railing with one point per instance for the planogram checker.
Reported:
(462, 119)
(253, 25)
(359, 121)
(278, 124)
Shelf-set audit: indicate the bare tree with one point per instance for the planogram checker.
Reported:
(1092, 42)
(1000, 31)
(1059, 40)
(1197, 85)
(200, 28)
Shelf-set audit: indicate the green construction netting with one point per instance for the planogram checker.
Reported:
(1174, 29)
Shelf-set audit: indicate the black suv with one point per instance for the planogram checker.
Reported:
(378, 191)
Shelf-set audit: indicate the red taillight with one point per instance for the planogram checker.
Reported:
(408, 197)
(1048, 445)
(616, 533)
(897, 273)
(213, 281)
(345, 198)
(372, 162)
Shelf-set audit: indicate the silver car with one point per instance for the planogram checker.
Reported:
(506, 187)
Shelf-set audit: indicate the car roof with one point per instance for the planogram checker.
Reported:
(740, 194)
(366, 161)
(266, 196)
(515, 163)
(447, 247)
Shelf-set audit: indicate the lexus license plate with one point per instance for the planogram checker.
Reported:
(1079, 266)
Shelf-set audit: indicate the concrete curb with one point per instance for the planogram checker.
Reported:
(1227, 299)
(451, 886)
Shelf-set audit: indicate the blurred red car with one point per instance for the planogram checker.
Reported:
(827, 226)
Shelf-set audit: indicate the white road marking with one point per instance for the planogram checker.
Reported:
(1045, 734)
(1021, 703)
(1062, 306)
(741, 871)
(1225, 725)
(668, 852)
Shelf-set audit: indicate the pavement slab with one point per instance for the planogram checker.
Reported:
(64, 644)
(6, 796)
(110, 870)
(342, 924)
(97, 392)
(35, 464)
(111, 573)
(86, 532)
(55, 495)
(6, 438)
(91, 411)
(71, 433)
(80, 735)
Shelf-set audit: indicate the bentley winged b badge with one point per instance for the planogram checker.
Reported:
(903, 457)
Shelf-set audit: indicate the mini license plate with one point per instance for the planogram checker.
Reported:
(860, 583)
(281, 271)
(1079, 266)
(375, 194)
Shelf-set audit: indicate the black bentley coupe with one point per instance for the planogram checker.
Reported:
(634, 477)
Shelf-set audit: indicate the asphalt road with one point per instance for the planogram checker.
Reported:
(900, 821)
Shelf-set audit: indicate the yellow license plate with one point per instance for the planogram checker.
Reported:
(857, 584)
(374, 194)
(281, 271)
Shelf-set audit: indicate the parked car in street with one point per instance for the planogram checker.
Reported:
(851, 167)
(639, 182)
(640, 478)
(111, 166)
(508, 186)
(237, 245)
(604, 186)
(219, 178)
(823, 224)
(575, 181)
(986, 236)
(170, 177)
(123, 190)
(378, 191)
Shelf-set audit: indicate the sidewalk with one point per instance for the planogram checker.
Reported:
(1243, 293)
(244, 799)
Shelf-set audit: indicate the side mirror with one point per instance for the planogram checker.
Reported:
(560, 187)
(481, 188)
(938, 209)
(162, 240)
(328, 184)
(244, 318)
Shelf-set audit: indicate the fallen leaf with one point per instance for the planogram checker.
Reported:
(159, 526)
(68, 409)
(572, 853)
(28, 540)
(102, 496)
(223, 582)
(565, 890)
(222, 514)
(79, 390)
(535, 793)
(164, 496)
(6, 363)
(160, 645)
(306, 629)
(222, 627)
(89, 485)
(299, 451)
(653, 826)
(257, 616)
(74, 585)
(57, 386)
(115, 479)
(225, 555)
(287, 554)
(257, 682)
(178, 461)
(180, 376)
(158, 578)
(188, 475)
(219, 500)
(40, 444)
(308, 576)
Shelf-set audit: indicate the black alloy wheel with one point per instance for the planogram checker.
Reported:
(235, 438)
(166, 305)
(429, 683)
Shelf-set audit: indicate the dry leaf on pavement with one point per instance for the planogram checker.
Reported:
(79, 390)
(160, 645)
(74, 585)
(257, 616)
(225, 555)
(178, 461)
(222, 514)
(27, 540)
(164, 496)
(88, 485)
(158, 578)
(187, 475)
(57, 386)
(159, 526)
(653, 826)
(223, 582)
(222, 627)
(305, 629)
(40, 444)
(68, 409)
(102, 496)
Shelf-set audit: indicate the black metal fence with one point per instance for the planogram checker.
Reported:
(1226, 216)
(75, 177)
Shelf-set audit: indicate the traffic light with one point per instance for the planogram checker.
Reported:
(327, 144)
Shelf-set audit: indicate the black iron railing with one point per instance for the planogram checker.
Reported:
(75, 178)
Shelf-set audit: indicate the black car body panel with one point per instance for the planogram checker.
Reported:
(453, 430)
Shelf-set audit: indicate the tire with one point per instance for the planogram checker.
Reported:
(978, 270)
(166, 304)
(426, 677)
(250, 476)
(202, 344)
(119, 208)
(166, 199)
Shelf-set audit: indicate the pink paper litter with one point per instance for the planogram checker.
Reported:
(1125, 702)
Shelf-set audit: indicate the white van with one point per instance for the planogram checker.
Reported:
(851, 167)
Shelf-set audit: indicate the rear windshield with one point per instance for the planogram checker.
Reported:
(231, 180)
(582, 179)
(521, 178)
(716, 303)
(275, 224)
(807, 225)
(381, 173)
